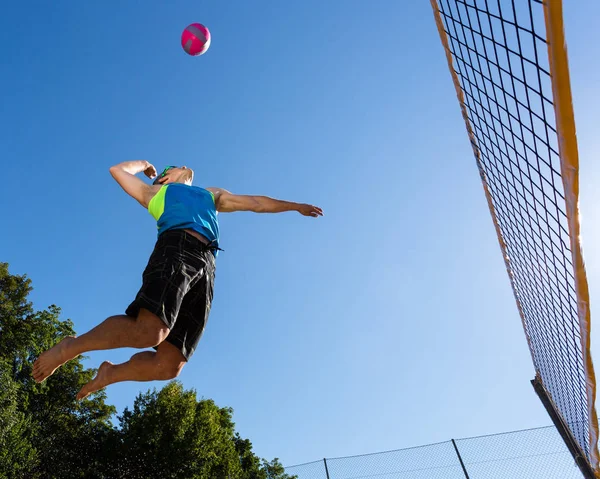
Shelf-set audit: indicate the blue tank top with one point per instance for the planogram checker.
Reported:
(179, 206)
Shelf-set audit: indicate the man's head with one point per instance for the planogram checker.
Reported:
(175, 174)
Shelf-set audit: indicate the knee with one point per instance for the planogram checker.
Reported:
(150, 330)
(150, 337)
(170, 370)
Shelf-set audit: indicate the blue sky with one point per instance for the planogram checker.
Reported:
(387, 323)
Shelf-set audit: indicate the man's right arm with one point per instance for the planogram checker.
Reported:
(124, 173)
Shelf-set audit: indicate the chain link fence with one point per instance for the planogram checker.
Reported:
(529, 454)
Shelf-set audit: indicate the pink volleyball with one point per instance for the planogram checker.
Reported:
(195, 39)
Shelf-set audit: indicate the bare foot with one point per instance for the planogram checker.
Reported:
(51, 360)
(101, 380)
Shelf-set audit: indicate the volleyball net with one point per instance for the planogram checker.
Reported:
(508, 62)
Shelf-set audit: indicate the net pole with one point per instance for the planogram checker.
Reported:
(571, 443)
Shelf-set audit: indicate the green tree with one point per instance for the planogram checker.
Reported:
(17, 454)
(65, 433)
(46, 434)
(168, 434)
(255, 468)
(275, 470)
(250, 463)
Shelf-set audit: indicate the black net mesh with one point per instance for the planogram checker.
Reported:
(531, 454)
(500, 57)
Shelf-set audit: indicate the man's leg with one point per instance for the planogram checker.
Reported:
(164, 364)
(147, 330)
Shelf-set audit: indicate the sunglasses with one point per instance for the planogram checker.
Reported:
(162, 175)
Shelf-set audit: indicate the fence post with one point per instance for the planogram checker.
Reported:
(326, 469)
(462, 464)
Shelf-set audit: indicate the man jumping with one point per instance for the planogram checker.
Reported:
(170, 311)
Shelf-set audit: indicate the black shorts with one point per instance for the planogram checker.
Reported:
(178, 288)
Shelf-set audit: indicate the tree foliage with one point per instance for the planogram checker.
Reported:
(46, 433)
(17, 454)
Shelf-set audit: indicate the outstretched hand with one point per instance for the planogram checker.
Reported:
(310, 210)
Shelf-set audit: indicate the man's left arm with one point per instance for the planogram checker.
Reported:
(228, 202)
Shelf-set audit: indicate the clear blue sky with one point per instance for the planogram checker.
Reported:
(387, 323)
